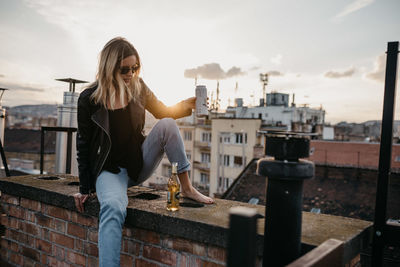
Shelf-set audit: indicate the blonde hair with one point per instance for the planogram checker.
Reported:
(110, 84)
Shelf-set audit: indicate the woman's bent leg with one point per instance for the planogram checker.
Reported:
(164, 137)
(112, 195)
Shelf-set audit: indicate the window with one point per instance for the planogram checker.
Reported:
(227, 182)
(226, 160)
(205, 157)
(237, 161)
(188, 155)
(206, 137)
(187, 135)
(397, 158)
(266, 115)
(239, 138)
(312, 149)
(227, 139)
(204, 178)
(220, 182)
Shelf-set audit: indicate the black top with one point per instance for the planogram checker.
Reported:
(121, 136)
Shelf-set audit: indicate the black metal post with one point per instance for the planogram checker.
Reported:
(242, 237)
(69, 131)
(41, 150)
(385, 155)
(283, 210)
(3, 157)
(69, 148)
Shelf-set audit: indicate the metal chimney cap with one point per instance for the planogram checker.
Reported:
(71, 80)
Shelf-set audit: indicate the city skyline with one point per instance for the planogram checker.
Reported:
(330, 54)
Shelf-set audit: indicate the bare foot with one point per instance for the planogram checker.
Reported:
(197, 196)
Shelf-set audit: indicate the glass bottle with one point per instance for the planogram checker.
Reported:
(173, 189)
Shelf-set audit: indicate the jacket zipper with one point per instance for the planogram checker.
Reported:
(108, 150)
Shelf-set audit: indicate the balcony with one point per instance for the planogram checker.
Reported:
(203, 166)
(202, 145)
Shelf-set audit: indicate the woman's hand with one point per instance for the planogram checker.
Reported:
(80, 200)
(190, 103)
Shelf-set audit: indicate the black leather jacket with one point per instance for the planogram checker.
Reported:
(93, 140)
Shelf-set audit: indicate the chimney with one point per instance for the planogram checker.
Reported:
(2, 122)
(67, 117)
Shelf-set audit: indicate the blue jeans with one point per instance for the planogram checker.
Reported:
(112, 188)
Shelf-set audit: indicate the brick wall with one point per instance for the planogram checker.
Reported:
(351, 154)
(38, 234)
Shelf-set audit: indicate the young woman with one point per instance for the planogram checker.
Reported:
(113, 153)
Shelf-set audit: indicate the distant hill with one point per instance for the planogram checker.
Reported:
(44, 110)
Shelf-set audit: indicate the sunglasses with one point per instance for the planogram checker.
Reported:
(125, 70)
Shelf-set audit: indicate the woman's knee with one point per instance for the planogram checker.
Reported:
(168, 124)
(114, 207)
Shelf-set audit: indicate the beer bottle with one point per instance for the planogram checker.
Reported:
(173, 189)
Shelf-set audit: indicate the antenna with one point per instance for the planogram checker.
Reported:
(217, 99)
(236, 88)
(2, 92)
(264, 80)
(71, 82)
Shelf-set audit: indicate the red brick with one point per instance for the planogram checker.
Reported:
(93, 262)
(212, 264)
(56, 263)
(60, 225)
(30, 241)
(43, 259)
(30, 204)
(10, 245)
(92, 236)
(17, 259)
(29, 216)
(216, 253)
(160, 255)
(126, 260)
(17, 212)
(62, 240)
(43, 245)
(183, 261)
(76, 258)
(17, 236)
(188, 246)
(84, 219)
(4, 220)
(30, 253)
(147, 236)
(30, 228)
(59, 252)
(3, 253)
(76, 230)
(29, 263)
(59, 212)
(91, 249)
(46, 234)
(195, 262)
(79, 245)
(131, 247)
(44, 220)
(144, 263)
(14, 223)
(10, 199)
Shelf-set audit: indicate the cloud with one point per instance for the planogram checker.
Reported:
(277, 59)
(212, 71)
(275, 73)
(353, 7)
(20, 87)
(378, 74)
(340, 74)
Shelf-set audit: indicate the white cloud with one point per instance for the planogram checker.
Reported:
(353, 7)
(340, 74)
(378, 74)
(277, 59)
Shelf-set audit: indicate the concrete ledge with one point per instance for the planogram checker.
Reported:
(208, 224)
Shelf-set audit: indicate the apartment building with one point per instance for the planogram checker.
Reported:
(232, 147)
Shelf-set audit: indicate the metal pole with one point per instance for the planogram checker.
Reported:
(3, 157)
(69, 149)
(385, 154)
(41, 150)
(242, 237)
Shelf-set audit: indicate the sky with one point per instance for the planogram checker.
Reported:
(327, 53)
